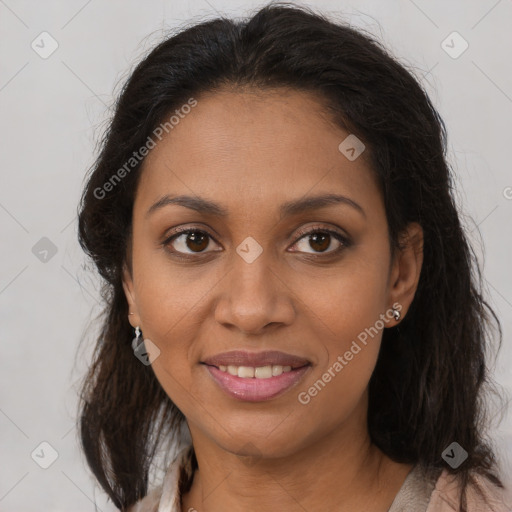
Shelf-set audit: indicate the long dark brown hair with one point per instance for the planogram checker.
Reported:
(431, 381)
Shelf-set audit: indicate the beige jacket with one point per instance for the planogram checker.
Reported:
(415, 495)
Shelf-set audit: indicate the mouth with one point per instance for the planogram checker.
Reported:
(256, 377)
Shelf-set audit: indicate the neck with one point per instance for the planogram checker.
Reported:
(342, 471)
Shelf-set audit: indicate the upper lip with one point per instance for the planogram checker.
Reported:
(256, 359)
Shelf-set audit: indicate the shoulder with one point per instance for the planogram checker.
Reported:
(166, 497)
(481, 495)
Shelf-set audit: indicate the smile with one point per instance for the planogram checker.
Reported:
(256, 384)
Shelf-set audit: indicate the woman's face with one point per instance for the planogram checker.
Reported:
(252, 279)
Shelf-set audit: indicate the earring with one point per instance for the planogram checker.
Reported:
(138, 338)
(396, 314)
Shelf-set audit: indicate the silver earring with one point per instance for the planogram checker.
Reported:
(138, 338)
(396, 314)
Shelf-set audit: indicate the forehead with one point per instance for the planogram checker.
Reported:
(257, 146)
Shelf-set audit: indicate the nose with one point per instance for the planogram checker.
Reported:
(253, 296)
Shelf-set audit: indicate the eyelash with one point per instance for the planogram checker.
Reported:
(345, 242)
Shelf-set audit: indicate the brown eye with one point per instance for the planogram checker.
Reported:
(189, 241)
(320, 240)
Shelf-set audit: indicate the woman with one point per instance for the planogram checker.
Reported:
(286, 278)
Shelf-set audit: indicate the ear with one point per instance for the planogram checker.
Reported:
(129, 292)
(406, 268)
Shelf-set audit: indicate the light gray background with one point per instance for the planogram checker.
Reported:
(55, 109)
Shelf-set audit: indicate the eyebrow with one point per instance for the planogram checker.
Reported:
(290, 208)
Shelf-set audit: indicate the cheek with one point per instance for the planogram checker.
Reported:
(168, 294)
(347, 311)
(170, 302)
(348, 299)
(350, 343)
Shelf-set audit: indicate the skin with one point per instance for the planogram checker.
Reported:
(251, 151)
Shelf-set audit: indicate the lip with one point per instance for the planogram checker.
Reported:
(255, 359)
(256, 390)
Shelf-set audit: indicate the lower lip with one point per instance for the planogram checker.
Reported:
(256, 390)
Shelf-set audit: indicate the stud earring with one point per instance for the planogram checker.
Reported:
(396, 314)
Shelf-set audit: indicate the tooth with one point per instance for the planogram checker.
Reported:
(260, 372)
(245, 371)
(263, 372)
(277, 369)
